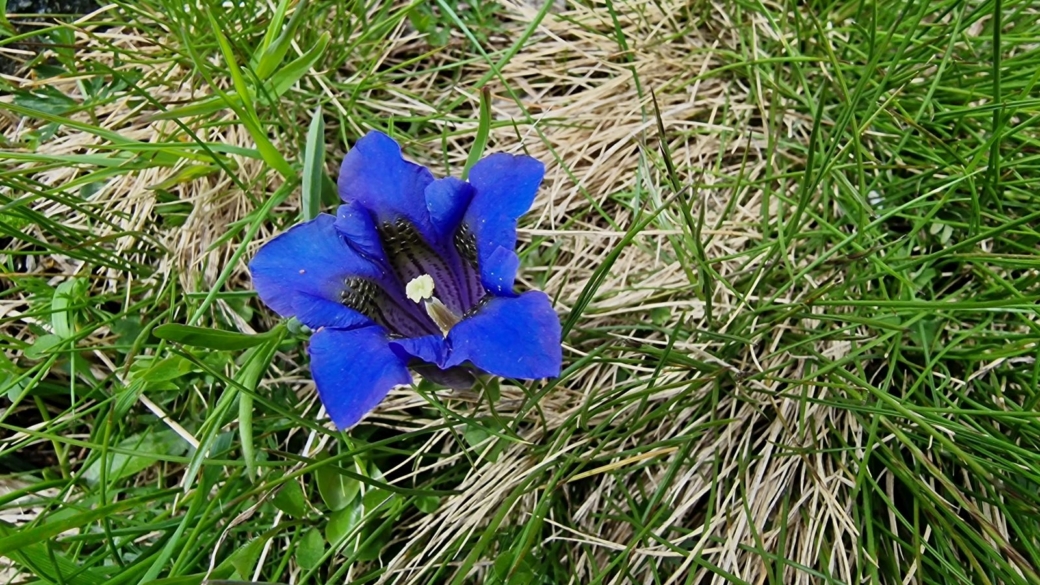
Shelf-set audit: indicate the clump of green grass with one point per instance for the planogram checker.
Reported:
(793, 249)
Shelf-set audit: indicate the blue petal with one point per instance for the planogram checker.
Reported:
(499, 271)
(447, 200)
(308, 264)
(505, 186)
(430, 348)
(355, 223)
(513, 337)
(317, 312)
(375, 175)
(432, 351)
(354, 370)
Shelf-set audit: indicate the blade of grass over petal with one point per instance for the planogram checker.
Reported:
(483, 132)
(313, 168)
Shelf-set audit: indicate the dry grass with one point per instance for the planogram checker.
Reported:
(598, 132)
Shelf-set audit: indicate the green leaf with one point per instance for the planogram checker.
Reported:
(291, 500)
(244, 559)
(46, 99)
(924, 332)
(127, 397)
(41, 346)
(195, 579)
(126, 331)
(520, 575)
(375, 498)
(477, 437)
(313, 167)
(208, 338)
(660, 315)
(247, 377)
(186, 175)
(427, 504)
(274, 28)
(257, 360)
(149, 448)
(342, 524)
(337, 490)
(493, 390)
(311, 549)
(6, 28)
(245, 430)
(166, 369)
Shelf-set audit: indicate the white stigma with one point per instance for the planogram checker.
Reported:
(420, 288)
(420, 291)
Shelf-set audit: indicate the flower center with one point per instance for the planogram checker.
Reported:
(420, 291)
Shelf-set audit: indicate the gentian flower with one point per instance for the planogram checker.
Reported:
(412, 271)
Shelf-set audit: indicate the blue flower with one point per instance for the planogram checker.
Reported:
(415, 272)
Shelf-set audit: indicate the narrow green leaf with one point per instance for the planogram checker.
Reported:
(47, 563)
(185, 175)
(313, 167)
(285, 78)
(215, 420)
(203, 107)
(13, 543)
(257, 360)
(208, 338)
(6, 28)
(62, 317)
(246, 112)
(483, 132)
(277, 41)
(274, 28)
(127, 397)
(245, 432)
(185, 580)
(119, 159)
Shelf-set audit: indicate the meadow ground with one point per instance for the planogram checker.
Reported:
(799, 293)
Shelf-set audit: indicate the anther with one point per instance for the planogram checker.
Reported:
(420, 290)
